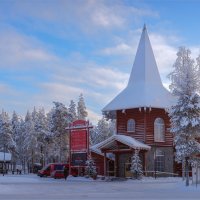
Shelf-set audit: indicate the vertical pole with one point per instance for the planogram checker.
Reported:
(155, 163)
(115, 166)
(88, 140)
(69, 151)
(4, 158)
(105, 167)
(187, 171)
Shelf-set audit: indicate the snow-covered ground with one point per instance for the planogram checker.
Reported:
(29, 187)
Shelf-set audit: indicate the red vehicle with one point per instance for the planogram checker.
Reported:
(57, 174)
(55, 170)
(48, 169)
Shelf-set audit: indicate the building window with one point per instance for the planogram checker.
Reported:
(160, 161)
(131, 125)
(159, 130)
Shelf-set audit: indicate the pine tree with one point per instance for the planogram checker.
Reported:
(42, 132)
(185, 113)
(58, 123)
(103, 130)
(16, 134)
(136, 165)
(90, 168)
(6, 140)
(81, 108)
(72, 111)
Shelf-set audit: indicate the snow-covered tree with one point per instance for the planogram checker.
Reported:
(42, 132)
(81, 108)
(72, 111)
(185, 113)
(58, 121)
(102, 131)
(17, 137)
(90, 168)
(30, 140)
(6, 140)
(136, 165)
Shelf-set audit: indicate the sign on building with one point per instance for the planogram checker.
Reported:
(78, 143)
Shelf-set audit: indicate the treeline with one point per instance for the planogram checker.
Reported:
(41, 137)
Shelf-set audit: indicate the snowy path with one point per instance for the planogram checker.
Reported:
(31, 187)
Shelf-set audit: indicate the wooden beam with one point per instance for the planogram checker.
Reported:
(105, 166)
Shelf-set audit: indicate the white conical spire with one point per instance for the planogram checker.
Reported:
(144, 88)
(144, 68)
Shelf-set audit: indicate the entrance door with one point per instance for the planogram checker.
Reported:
(127, 168)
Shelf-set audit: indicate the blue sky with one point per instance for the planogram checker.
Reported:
(53, 50)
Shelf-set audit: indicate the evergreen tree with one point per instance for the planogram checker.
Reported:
(81, 108)
(42, 132)
(58, 123)
(17, 137)
(185, 113)
(30, 140)
(90, 168)
(72, 111)
(6, 140)
(136, 165)
(102, 131)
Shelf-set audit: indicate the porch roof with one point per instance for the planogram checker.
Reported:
(127, 140)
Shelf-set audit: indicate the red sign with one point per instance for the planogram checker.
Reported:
(79, 140)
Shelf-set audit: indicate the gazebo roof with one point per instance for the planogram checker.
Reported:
(144, 88)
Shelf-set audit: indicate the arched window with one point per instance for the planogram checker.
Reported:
(131, 125)
(159, 130)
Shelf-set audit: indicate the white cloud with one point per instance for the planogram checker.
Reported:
(93, 116)
(165, 53)
(119, 49)
(17, 48)
(88, 15)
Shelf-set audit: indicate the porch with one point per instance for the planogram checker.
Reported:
(122, 147)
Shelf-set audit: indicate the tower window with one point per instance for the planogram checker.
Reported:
(131, 125)
(159, 130)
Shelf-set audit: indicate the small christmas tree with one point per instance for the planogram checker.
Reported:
(136, 166)
(90, 168)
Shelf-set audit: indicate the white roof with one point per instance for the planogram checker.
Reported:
(144, 88)
(127, 140)
(7, 156)
(95, 149)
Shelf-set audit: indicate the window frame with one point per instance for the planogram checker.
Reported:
(130, 126)
(160, 160)
(159, 130)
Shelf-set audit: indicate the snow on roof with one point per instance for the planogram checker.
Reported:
(127, 140)
(95, 149)
(7, 156)
(144, 88)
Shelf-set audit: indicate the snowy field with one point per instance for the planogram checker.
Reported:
(29, 187)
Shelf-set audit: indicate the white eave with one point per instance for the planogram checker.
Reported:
(127, 140)
(144, 88)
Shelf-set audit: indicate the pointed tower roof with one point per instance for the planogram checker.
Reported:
(144, 88)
